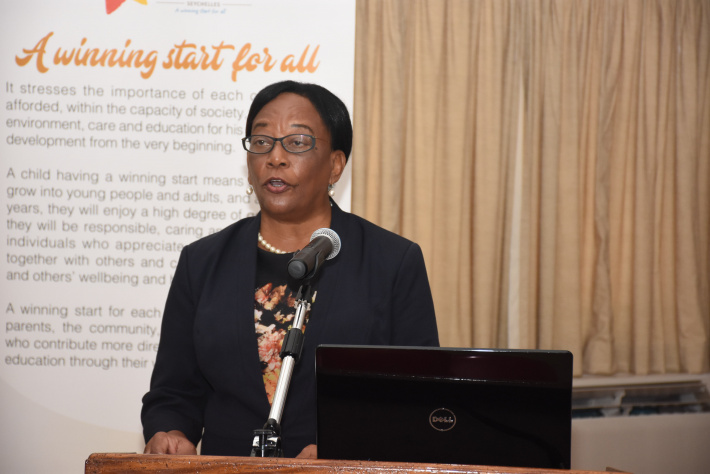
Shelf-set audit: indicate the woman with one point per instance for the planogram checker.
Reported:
(231, 299)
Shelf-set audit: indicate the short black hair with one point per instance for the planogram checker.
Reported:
(331, 109)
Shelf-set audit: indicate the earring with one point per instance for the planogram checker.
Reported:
(331, 190)
(250, 190)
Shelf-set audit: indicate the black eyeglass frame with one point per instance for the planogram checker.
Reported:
(244, 143)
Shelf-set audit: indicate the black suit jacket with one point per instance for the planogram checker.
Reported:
(207, 373)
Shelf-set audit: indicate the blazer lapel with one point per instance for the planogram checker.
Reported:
(326, 284)
(244, 353)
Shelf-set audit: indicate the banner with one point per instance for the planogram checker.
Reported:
(121, 129)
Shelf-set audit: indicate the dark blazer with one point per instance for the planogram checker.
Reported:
(207, 372)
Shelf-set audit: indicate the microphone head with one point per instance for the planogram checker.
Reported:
(334, 238)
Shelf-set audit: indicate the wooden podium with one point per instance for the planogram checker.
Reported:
(106, 463)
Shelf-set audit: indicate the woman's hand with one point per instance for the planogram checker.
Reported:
(309, 452)
(172, 442)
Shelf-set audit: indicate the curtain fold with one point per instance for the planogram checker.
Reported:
(552, 158)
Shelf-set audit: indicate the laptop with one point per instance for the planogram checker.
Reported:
(498, 407)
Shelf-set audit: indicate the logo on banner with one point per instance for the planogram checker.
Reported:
(112, 5)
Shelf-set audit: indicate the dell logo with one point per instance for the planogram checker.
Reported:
(442, 419)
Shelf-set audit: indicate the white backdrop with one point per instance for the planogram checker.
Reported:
(121, 122)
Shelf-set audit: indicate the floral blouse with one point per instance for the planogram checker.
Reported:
(274, 313)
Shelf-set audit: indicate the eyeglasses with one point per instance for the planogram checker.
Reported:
(260, 144)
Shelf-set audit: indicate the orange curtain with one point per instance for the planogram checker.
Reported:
(552, 158)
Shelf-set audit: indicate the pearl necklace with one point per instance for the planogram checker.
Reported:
(268, 246)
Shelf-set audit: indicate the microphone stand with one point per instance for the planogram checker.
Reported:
(267, 440)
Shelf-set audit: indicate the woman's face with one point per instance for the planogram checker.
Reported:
(293, 186)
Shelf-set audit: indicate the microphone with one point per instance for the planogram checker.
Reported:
(324, 245)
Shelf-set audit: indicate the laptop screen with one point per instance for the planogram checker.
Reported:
(497, 407)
